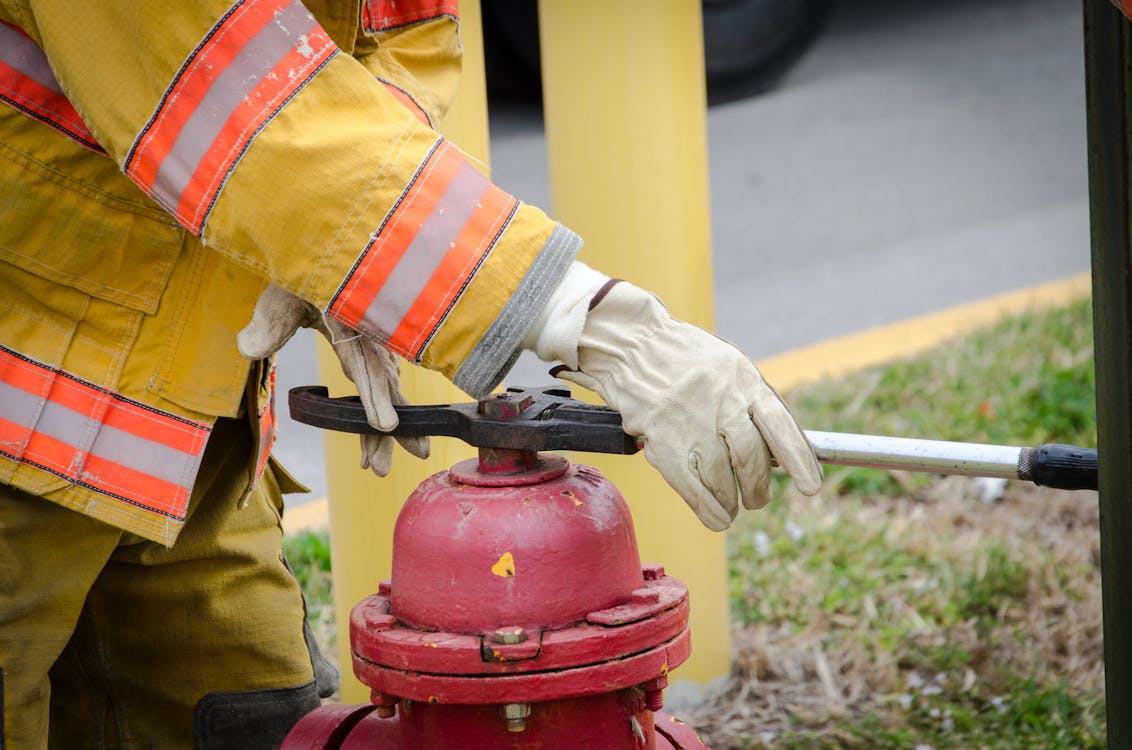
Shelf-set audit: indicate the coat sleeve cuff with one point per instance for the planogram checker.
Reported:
(499, 347)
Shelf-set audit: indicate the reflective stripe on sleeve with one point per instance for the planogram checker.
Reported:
(98, 439)
(258, 56)
(28, 84)
(384, 15)
(424, 252)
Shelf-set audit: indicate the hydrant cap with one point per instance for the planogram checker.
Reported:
(471, 559)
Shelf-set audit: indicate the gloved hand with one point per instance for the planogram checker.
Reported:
(369, 365)
(708, 420)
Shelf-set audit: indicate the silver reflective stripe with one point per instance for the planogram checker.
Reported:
(23, 54)
(19, 407)
(225, 94)
(109, 443)
(495, 353)
(146, 456)
(428, 249)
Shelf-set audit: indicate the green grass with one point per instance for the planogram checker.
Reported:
(899, 610)
(936, 632)
(308, 553)
(1032, 716)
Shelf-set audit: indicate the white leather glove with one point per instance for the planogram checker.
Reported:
(708, 420)
(369, 365)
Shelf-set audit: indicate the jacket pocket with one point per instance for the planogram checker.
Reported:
(73, 219)
(39, 321)
(190, 343)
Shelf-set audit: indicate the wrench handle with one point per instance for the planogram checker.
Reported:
(1052, 465)
(1065, 467)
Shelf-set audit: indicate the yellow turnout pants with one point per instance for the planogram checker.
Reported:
(108, 640)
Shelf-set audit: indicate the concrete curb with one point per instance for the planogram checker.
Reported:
(844, 355)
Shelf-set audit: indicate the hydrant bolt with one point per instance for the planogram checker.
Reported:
(516, 715)
(654, 693)
(386, 704)
(378, 621)
(509, 635)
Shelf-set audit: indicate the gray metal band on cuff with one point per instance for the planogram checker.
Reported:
(496, 352)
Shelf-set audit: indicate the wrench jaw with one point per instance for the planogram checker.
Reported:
(527, 419)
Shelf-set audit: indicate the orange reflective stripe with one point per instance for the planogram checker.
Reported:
(268, 428)
(28, 84)
(1125, 6)
(48, 453)
(410, 103)
(137, 487)
(12, 434)
(96, 438)
(27, 378)
(383, 15)
(259, 55)
(427, 248)
(143, 422)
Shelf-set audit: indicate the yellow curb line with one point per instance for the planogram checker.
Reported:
(875, 346)
(847, 354)
(310, 516)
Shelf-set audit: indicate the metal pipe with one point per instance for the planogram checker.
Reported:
(1065, 467)
(910, 454)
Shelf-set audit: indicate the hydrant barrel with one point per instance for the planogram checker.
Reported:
(518, 615)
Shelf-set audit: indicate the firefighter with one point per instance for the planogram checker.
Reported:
(185, 184)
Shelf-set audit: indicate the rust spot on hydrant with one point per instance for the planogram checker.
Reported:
(504, 566)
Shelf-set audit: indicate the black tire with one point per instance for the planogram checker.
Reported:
(748, 45)
(511, 50)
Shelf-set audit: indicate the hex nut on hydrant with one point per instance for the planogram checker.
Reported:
(509, 635)
(386, 704)
(516, 715)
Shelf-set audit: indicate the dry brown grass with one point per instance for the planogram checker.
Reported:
(816, 678)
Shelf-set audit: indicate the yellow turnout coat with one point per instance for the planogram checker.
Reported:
(163, 162)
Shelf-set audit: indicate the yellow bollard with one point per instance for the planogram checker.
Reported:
(625, 108)
(363, 507)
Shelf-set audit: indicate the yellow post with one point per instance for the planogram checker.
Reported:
(625, 109)
(363, 507)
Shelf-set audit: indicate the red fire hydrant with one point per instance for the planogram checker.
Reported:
(518, 616)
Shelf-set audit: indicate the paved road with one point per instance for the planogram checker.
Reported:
(923, 155)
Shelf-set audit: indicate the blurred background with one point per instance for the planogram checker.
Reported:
(870, 161)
